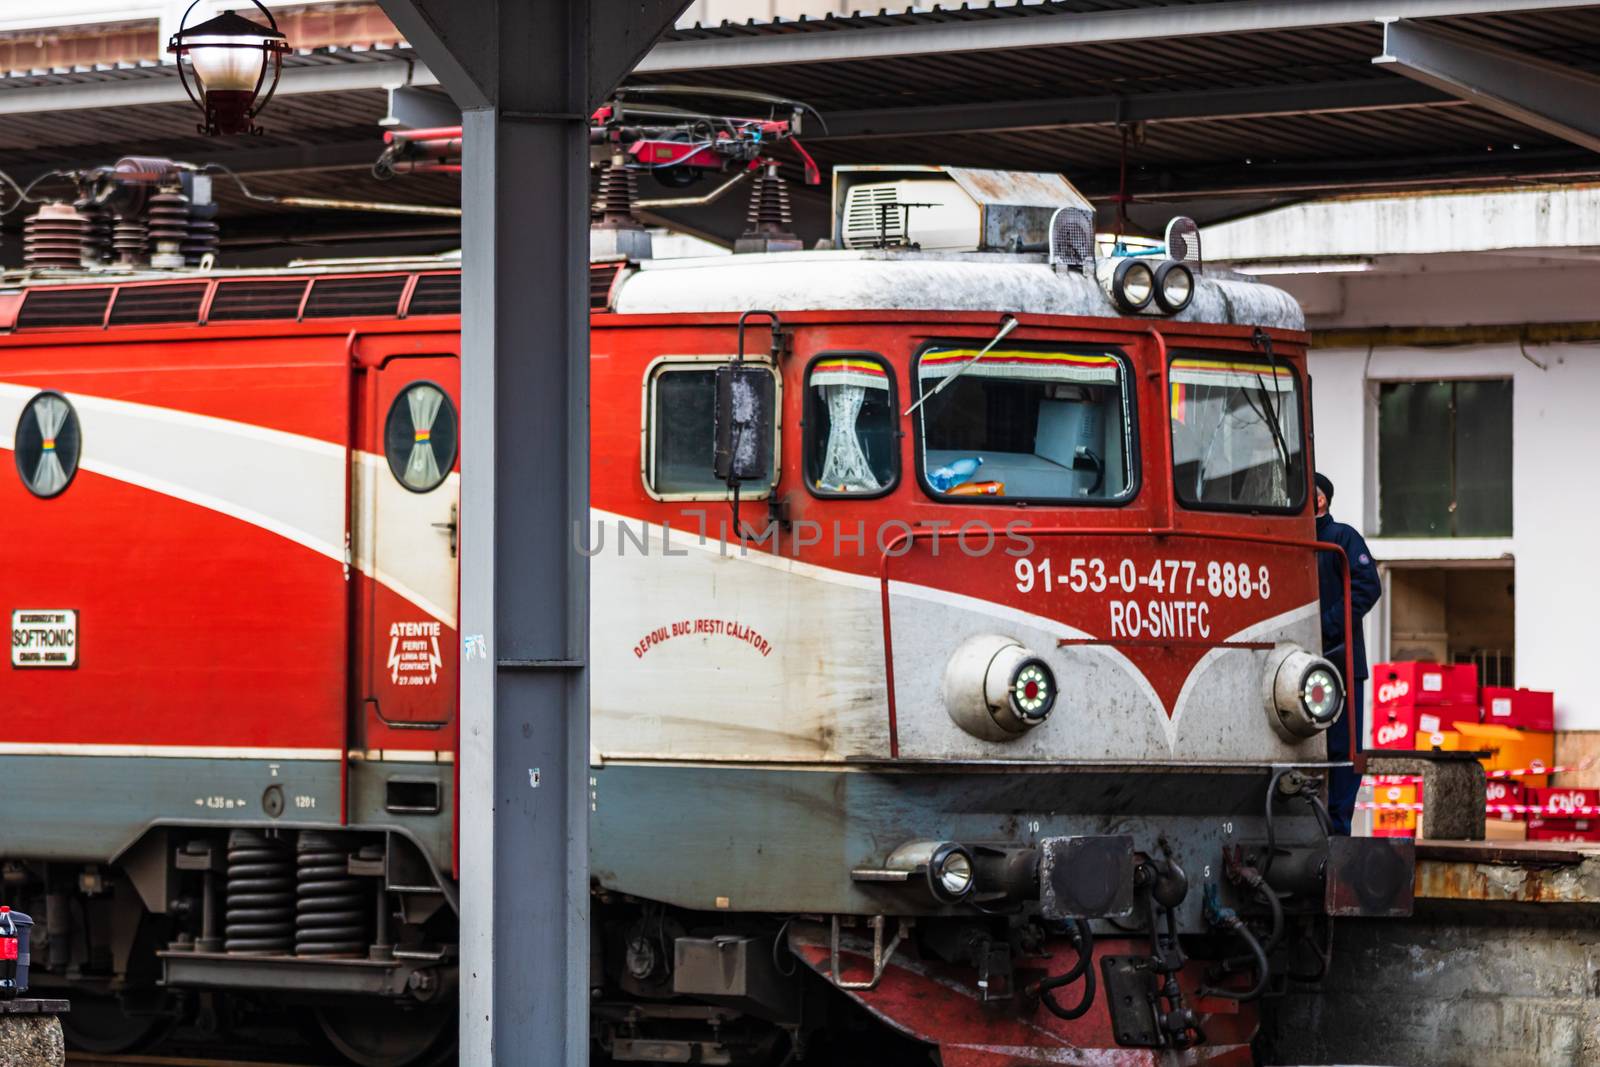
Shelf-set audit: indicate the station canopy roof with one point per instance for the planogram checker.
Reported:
(1214, 108)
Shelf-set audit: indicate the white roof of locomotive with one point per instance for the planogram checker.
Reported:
(921, 281)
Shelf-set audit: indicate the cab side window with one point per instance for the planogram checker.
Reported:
(680, 432)
(852, 445)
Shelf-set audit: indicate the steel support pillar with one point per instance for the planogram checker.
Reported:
(526, 76)
(1557, 99)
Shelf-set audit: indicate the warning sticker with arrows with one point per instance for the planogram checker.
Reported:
(414, 657)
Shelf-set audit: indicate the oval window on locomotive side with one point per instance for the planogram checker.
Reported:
(419, 437)
(48, 444)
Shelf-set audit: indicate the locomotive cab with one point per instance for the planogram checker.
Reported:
(1011, 645)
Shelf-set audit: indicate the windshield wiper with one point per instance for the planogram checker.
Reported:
(1007, 324)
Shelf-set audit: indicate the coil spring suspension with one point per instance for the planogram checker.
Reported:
(259, 917)
(330, 914)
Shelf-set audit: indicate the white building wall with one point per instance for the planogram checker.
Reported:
(1555, 543)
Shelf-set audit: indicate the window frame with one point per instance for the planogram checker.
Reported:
(1130, 404)
(1302, 397)
(665, 364)
(16, 455)
(808, 411)
(455, 451)
(1454, 382)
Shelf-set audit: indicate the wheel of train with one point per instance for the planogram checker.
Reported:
(100, 1024)
(382, 1034)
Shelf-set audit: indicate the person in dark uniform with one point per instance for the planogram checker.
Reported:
(1365, 589)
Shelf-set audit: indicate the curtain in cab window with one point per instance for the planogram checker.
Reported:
(853, 426)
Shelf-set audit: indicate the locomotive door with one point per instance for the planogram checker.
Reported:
(407, 541)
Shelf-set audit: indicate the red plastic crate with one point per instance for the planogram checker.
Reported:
(1417, 683)
(1503, 791)
(1523, 709)
(1561, 802)
(1575, 830)
(1399, 725)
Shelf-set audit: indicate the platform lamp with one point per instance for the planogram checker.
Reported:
(230, 59)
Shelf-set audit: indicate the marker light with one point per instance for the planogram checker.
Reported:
(1174, 287)
(1321, 694)
(1304, 693)
(996, 689)
(1033, 690)
(1132, 284)
(950, 873)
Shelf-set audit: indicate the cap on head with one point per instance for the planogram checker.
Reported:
(1325, 485)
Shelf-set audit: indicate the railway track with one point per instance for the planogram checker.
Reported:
(92, 1059)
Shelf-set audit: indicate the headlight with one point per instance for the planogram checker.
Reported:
(950, 873)
(1304, 693)
(996, 689)
(1132, 284)
(1174, 287)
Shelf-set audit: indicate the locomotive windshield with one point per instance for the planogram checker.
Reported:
(1030, 425)
(1236, 437)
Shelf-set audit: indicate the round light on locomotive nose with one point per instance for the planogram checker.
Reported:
(1033, 690)
(1304, 693)
(997, 689)
(950, 873)
(1321, 693)
(1174, 287)
(1132, 284)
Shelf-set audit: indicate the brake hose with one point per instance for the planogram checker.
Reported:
(1272, 843)
(1082, 968)
(1225, 918)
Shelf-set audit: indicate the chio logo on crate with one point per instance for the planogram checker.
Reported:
(1389, 692)
(1568, 803)
(1391, 732)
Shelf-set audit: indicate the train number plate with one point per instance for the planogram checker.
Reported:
(44, 638)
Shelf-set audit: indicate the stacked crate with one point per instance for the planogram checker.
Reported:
(1438, 707)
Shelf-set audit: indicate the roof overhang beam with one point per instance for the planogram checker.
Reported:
(164, 88)
(1557, 99)
(1366, 94)
(1065, 28)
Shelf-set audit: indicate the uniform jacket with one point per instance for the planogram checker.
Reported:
(1365, 589)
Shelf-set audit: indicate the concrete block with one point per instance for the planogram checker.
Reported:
(31, 1041)
(1489, 988)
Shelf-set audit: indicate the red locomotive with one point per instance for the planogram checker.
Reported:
(954, 642)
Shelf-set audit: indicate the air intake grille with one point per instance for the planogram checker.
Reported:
(158, 303)
(602, 276)
(1183, 241)
(436, 294)
(256, 300)
(336, 298)
(64, 307)
(873, 217)
(1072, 239)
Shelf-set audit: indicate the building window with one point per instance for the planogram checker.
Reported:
(852, 447)
(47, 445)
(681, 435)
(1444, 459)
(419, 437)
